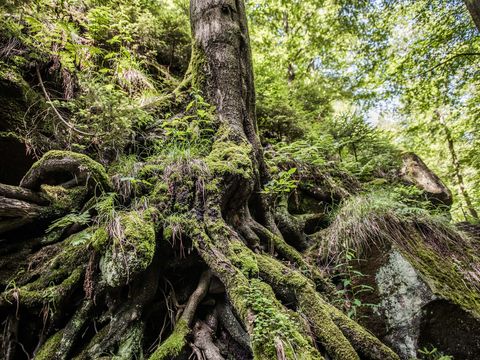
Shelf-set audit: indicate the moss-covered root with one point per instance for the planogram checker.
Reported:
(176, 342)
(366, 344)
(72, 331)
(342, 338)
(82, 169)
(58, 346)
(277, 332)
(49, 348)
(289, 253)
(273, 328)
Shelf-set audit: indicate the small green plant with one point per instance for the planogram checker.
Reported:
(70, 219)
(193, 130)
(283, 183)
(351, 286)
(272, 323)
(433, 354)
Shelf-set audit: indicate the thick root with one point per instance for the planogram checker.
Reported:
(78, 168)
(176, 342)
(337, 333)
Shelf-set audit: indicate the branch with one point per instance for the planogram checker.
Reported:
(448, 60)
(19, 193)
(70, 126)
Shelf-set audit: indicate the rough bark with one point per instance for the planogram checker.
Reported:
(473, 7)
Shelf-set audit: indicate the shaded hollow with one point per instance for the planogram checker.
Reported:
(450, 329)
(14, 161)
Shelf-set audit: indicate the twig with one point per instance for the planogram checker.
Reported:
(448, 60)
(70, 126)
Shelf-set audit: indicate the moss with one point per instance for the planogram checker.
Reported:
(100, 240)
(160, 194)
(243, 258)
(319, 312)
(228, 157)
(177, 224)
(196, 67)
(57, 273)
(65, 199)
(49, 348)
(131, 344)
(311, 304)
(275, 327)
(446, 258)
(95, 170)
(54, 294)
(151, 172)
(132, 248)
(174, 344)
(449, 275)
(17, 96)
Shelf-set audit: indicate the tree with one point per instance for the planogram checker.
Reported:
(457, 168)
(104, 264)
(421, 58)
(473, 7)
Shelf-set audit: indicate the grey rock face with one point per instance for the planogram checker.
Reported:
(403, 295)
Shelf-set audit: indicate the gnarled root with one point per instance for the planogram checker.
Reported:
(238, 268)
(72, 169)
(176, 342)
(330, 325)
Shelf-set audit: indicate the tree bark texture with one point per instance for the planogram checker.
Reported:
(473, 7)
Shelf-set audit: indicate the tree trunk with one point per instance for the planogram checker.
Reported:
(473, 7)
(457, 168)
(116, 285)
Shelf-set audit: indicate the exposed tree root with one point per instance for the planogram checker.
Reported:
(203, 334)
(176, 342)
(276, 304)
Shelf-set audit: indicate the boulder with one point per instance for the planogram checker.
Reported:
(411, 312)
(415, 172)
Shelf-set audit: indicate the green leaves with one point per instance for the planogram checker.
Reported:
(352, 285)
(70, 219)
(194, 129)
(284, 183)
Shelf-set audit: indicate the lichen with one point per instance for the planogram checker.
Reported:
(130, 346)
(403, 295)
